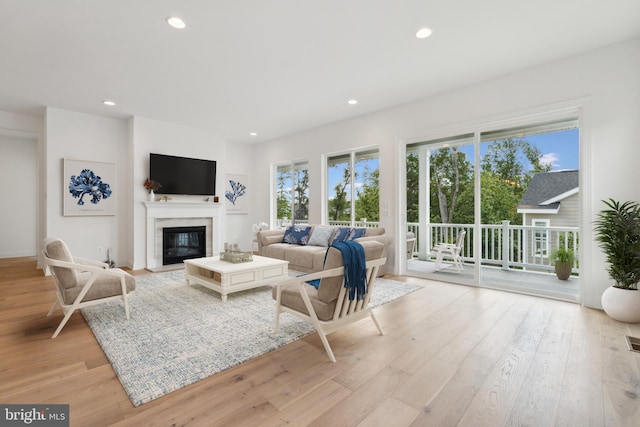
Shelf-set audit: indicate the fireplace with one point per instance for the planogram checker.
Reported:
(180, 243)
(181, 214)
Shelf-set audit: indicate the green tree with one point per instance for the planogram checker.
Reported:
(451, 172)
(368, 200)
(284, 197)
(340, 205)
(499, 201)
(301, 191)
(507, 169)
(413, 187)
(514, 160)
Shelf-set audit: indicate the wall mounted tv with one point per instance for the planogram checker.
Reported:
(183, 175)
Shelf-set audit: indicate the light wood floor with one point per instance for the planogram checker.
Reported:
(451, 355)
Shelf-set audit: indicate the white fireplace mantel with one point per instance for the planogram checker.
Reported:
(168, 210)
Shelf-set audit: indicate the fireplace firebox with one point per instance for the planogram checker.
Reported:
(180, 243)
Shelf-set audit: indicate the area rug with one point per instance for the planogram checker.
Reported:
(179, 334)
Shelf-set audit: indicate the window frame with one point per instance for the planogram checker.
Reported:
(540, 237)
(354, 156)
(292, 167)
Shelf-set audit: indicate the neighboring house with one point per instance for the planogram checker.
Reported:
(551, 200)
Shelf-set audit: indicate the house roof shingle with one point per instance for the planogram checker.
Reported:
(547, 186)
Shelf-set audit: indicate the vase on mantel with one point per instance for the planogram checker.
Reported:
(152, 196)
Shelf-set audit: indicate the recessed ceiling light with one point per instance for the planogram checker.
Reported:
(352, 101)
(109, 103)
(176, 22)
(423, 33)
(253, 134)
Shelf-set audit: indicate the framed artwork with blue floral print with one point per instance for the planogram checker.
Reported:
(235, 194)
(88, 188)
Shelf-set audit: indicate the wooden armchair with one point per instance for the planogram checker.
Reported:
(452, 251)
(82, 282)
(328, 307)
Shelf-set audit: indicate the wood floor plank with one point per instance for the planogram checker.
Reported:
(581, 399)
(537, 403)
(391, 412)
(492, 405)
(424, 385)
(309, 407)
(451, 356)
(621, 377)
(354, 408)
(453, 400)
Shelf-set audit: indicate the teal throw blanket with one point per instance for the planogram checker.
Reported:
(355, 268)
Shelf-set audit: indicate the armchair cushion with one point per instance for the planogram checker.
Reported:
(330, 286)
(324, 299)
(290, 297)
(104, 286)
(58, 250)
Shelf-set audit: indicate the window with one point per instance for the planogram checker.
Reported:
(292, 192)
(541, 238)
(503, 183)
(353, 182)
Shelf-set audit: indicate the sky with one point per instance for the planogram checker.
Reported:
(558, 148)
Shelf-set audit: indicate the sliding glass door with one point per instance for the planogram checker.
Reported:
(492, 207)
(441, 208)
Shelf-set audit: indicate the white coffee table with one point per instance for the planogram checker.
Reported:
(225, 277)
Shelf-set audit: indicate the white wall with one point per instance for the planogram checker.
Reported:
(29, 128)
(19, 190)
(238, 227)
(147, 136)
(127, 143)
(604, 83)
(80, 136)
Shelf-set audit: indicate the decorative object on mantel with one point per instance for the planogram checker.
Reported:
(151, 186)
(165, 198)
(236, 194)
(88, 181)
(234, 255)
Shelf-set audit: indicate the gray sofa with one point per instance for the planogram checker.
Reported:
(309, 256)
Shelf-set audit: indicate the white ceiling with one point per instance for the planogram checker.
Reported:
(276, 67)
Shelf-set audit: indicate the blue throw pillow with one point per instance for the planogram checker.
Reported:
(315, 283)
(297, 235)
(356, 233)
(341, 235)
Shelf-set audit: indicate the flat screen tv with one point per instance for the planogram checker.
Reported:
(183, 175)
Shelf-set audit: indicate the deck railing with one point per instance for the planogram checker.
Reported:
(507, 246)
(503, 245)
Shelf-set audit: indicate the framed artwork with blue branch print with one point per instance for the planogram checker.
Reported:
(235, 194)
(88, 188)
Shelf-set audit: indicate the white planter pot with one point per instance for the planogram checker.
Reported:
(622, 305)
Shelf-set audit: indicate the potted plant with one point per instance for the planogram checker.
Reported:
(617, 231)
(563, 260)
